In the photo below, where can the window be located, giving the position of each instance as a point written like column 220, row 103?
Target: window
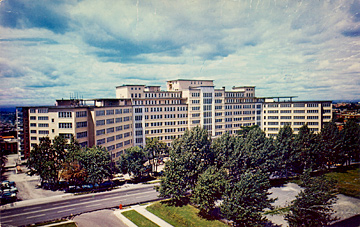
column 43, row 132
column 81, row 114
column 32, row 124
column 126, row 118
column 64, row 114
column 299, row 104
column 127, row 134
column 299, row 123
column 100, row 122
column 32, row 111
column 285, row 123
column 118, row 111
column 299, row 111
column 110, row 130
column 126, row 126
column 118, row 119
column 118, row 128
column 273, row 123
column 109, row 112
column 299, row 117
column 101, row 141
column 43, row 125
column 273, row 117
column 65, row 125
column 110, row 139
column 33, row 131
column 43, row 110
column 285, row 105
column 313, row 123
column 312, row 111
column 312, row 104
column 82, row 124
column 196, row 108
column 285, row 111
column 33, row 138
column 312, row 117
column 110, row 121
column 32, row 117
column 285, row 117
column 81, row 135
column 65, row 135
column 119, row 136
column 110, row 148
column 195, row 101
column 43, row 118
column 328, row 104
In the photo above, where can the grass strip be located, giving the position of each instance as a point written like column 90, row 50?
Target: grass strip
column 186, row 215
column 348, row 181
column 138, row 219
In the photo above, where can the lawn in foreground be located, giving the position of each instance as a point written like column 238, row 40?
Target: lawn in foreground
column 138, row 219
column 186, row 215
column 348, row 181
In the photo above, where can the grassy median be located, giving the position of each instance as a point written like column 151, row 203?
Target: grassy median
column 138, row 219
column 186, row 215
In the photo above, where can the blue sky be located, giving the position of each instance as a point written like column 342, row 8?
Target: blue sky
column 49, row 49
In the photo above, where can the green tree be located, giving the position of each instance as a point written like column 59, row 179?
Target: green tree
column 96, row 162
column 189, row 157
column 224, row 149
column 245, row 200
column 246, row 129
column 132, row 162
column 330, row 144
column 258, row 152
column 43, row 161
column 350, row 140
column 208, row 189
column 284, row 147
column 173, row 182
column 313, row 205
column 193, row 151
column 155, row 149
column 307, row 150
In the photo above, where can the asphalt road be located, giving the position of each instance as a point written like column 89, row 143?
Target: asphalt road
column 19, row 216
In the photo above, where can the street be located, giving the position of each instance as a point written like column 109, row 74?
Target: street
column 25, row 215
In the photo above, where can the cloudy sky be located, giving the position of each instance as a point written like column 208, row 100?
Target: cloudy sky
column 305, row 48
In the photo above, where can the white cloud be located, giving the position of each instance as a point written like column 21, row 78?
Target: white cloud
column 305, row 48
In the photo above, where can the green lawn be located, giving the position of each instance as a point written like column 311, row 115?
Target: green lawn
column 348, row 181
column 138, row 219
column 186, row 215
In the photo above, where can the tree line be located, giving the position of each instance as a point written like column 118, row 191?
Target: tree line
column 237, row 169
column 61, row 159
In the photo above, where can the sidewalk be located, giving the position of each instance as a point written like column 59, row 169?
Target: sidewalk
column 141, row 210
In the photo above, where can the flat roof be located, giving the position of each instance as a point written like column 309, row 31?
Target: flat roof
column 131, row 85
column 188, row 80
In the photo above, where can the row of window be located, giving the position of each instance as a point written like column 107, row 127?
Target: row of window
column 290, row 117
column 112, row 112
